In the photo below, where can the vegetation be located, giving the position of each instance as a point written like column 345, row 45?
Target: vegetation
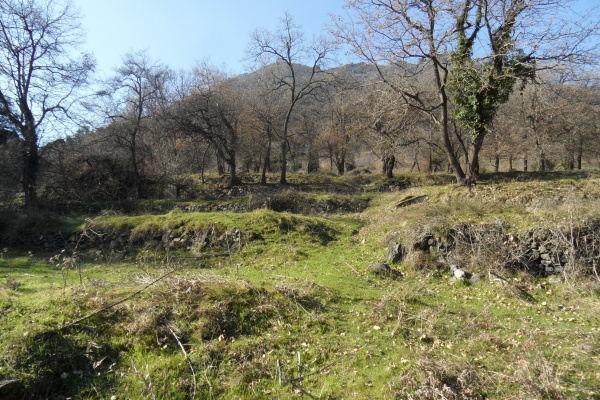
column 481, row 89
column 280, row 304
column 161, row 249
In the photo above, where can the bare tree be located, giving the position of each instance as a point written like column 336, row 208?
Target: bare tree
column 40, row 73
column 289, row 51
column 138, row 89
column 405, row 40
column 211, row 112
column 475, row 51
column 265, row 110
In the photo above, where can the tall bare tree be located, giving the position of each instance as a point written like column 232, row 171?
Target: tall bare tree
column 138, row 89
column 405, row 40
column 475, row 51
column 40, row 73
column 211, row 111
column 265, row 111
column 289, row 51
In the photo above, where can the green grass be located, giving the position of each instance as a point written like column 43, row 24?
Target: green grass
column 302, row 289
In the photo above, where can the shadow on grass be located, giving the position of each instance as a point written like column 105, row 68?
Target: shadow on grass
column 61, row 364
column 521, row 176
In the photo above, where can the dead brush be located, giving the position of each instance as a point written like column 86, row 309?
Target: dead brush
column 484, row 248
column 401, row 305
column 443, row 381
column 303, row 297
column 580, row 246
column 13, row 284
column 419, row 261
column 538, row 379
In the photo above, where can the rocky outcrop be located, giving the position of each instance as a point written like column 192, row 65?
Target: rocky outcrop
column 540, row 251
column 106, row 238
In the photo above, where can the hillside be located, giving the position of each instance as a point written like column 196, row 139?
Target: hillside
column 331, row 288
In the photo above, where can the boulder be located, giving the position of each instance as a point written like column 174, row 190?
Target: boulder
column 396, row 252
column 459, row 273
column 385, row 271
column 409, row 200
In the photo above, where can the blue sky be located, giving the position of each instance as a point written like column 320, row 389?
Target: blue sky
column 180, row 32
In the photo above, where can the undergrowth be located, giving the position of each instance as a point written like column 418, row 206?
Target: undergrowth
column 293, row 313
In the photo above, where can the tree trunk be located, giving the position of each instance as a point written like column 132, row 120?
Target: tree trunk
column 579, row 151
column 312, row 161
column 31, row 166
column 231, row 161
column 452, row 159
column 284, row 142
column 137, row 180
column 267, row 163
column 542, row 162
column 572, row 161
column 510, row 162
column 473, row 162
column 496, row 163
column 415, row 165
column 203, row 164
column 341, row 166
column 388, row 166
column 220, row 165
column 283, row 177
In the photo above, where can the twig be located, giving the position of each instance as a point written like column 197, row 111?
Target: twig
column 210, row 389
column 187, row 358
column 337, row 360
column 353, row 269
column 297, row 387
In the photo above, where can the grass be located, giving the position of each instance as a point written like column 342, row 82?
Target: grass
column 302, row 291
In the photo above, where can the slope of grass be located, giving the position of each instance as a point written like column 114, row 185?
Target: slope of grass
column 295, row 314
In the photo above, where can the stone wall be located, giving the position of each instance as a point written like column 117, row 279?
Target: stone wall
column 540, row 251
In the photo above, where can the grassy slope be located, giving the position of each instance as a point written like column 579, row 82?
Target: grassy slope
column 303, row 291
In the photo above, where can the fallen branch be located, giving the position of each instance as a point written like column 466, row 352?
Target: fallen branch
column 108, row 307
column 187, row 358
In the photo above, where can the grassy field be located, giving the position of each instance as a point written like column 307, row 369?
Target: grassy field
column 292, row 312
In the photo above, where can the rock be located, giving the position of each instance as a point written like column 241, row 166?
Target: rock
column 407, row 201
column 477, row 277
column 394, row 185
column 459, row 273
column 555, row 280
column 5, row 384
column 10, row 389
column 384, row 270
column 534, row 255
column 424, row 243
column 558, row 269
column 396, row 252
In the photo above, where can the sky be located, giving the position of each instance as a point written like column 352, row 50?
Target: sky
column 179, row 33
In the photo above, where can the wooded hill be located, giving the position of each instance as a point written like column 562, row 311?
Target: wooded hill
column 350, row 119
